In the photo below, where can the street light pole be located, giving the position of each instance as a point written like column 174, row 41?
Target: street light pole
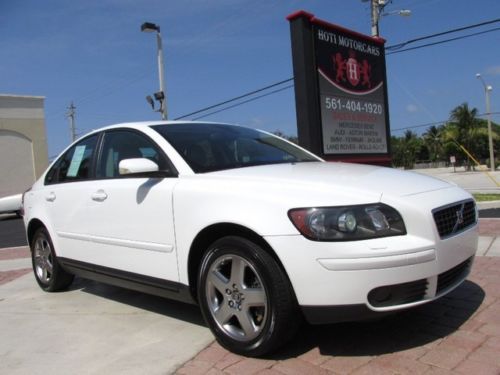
column 149, row 27
column 161, row 75
column 487, row 89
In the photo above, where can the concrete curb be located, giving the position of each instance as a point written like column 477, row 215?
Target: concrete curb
column 488, row 204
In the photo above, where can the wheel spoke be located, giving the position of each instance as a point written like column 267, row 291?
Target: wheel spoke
column 49, row 265
column 238, row 266
column 255, row 297
column 223, row 313
column 218, row 281
column 45, row 275
column 247, row 323
column 38, row 261
column 45, row 249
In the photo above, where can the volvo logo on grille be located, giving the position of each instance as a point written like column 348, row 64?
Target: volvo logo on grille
column 460, row 218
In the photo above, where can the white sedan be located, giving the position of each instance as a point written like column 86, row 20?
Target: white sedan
column 11, row 204
column 256, row 230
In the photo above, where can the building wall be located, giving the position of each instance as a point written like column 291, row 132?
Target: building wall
column 23, row 142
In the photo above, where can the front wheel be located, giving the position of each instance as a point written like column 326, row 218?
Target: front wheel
column 48, row 273
column 246, row 298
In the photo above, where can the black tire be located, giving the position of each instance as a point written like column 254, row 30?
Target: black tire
column 48, row 272
column 251, row 312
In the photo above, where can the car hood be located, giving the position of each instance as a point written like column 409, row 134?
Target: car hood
column 342, row 176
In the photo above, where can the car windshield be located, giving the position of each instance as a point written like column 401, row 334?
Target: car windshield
column 214, row 147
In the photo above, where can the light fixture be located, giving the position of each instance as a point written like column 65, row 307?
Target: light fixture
column 149, row 27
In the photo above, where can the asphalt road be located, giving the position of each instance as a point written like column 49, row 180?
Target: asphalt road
column 11, row 232
column 12, row 228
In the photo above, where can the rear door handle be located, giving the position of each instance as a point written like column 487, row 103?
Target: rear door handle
column 51, row 197
column 99, row 196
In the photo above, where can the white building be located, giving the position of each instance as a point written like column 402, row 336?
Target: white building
column 23, row 142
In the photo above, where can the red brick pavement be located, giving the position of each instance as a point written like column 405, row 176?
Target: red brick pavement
column 10, row 254
column 489, row 227
column 7, row 276
column 14, row 253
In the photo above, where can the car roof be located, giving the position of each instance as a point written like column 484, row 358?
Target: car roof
column 146, row 124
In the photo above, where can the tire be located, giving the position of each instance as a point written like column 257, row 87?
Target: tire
column 246, row 297
column 48, row 272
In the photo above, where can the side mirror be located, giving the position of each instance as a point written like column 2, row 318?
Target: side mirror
column 137, row 166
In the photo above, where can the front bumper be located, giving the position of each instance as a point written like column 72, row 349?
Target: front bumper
column 338, row 281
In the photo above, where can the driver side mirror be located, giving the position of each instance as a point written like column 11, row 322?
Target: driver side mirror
column 137, row 166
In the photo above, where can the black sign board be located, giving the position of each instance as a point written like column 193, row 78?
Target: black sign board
column 340, row 91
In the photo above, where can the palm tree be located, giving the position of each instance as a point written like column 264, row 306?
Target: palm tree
column 465, row 121
column 434, row 142
column 410, row 144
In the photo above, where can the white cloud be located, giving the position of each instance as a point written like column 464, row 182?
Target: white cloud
column 412, row 108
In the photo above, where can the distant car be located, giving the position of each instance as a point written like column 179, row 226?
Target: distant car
column 11, row 204
column 256, row 230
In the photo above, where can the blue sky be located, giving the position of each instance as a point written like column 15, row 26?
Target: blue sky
column 93, row 53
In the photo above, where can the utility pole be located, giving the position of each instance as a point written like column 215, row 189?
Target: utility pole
column 375, row 12
column 71, row 116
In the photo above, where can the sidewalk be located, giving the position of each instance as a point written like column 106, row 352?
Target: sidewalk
column 472, row 181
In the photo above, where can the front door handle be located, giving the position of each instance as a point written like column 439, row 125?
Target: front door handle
column 51, row 197
column 99, row 196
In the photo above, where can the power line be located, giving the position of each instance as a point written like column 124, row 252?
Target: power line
column 246, row 101
column 443, row 41
column 401, row 45
column 236, row 98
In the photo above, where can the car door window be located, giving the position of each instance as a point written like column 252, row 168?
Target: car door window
column 75, row 164
column 122, row 144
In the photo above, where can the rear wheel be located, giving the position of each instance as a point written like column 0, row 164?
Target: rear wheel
column 48, row 273
column 246, row 297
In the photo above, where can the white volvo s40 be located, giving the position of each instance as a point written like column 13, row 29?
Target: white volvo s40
column 256, row 230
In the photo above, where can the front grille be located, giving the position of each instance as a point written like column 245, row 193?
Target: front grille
column 398, row 294
column 455, row 218
column 451, row 277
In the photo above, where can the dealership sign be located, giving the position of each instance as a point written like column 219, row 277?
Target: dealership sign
column 341, row 91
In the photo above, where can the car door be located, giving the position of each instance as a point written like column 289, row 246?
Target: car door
column 131, row 217
column 67, row 187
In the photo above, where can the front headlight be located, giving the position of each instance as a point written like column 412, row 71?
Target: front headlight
column 348, row 223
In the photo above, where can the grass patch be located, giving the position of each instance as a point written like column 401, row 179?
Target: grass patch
column 486, row 197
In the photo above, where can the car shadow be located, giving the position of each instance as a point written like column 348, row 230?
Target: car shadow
column 158, row 305
column 394, row 333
